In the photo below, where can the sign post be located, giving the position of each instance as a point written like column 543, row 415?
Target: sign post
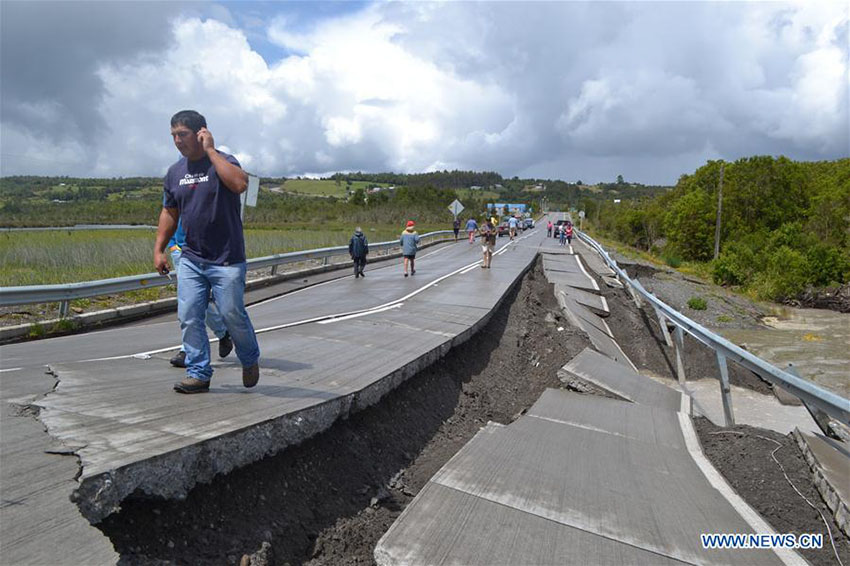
column 581, row 220
column 456, row 208
column 249, row 197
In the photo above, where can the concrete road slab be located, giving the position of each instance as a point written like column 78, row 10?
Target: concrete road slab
column 577, row 280
column 596, row 329
column 38, row 522
column 648, row 496
column 563, row 262
column 597, row 304
column 612, row 376
column 592, row 259
column 453, row 527
column 829, row 460
column 131, row 431
column 645, row 423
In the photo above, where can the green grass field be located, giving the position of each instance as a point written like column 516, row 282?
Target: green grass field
column 325, row 188
column 486, row 195
column 51, row 257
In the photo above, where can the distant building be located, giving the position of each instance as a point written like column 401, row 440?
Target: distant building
column 513, row 208
column 475, row 188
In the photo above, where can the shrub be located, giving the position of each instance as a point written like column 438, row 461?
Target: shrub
column 827, row 265
column 36, row 331
column 697, row 303
column 672, row 259
column 785, row 274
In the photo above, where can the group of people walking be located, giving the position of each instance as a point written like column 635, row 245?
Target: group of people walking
column 564, row 232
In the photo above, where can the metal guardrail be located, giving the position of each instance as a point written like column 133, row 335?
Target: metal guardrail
column 814, row 397
column 64, row 293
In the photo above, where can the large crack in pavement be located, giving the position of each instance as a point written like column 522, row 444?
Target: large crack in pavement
column 329, row 499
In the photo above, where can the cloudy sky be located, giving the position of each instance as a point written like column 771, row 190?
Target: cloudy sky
column 569, row 90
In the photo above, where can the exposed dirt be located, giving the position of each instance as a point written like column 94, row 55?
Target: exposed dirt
column 329, row 500
column 743, row 455
column 639, row 334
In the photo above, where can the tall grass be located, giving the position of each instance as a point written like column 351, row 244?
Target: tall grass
column 44, row 258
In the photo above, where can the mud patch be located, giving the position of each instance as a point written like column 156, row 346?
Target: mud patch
column 638, row 270
column 329, row 500
column 640, row 336
column 743, row 455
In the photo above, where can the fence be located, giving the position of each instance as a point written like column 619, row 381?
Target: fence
column 817, row 400
column 65, row 293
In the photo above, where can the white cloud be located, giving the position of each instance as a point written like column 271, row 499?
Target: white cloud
column 572, row 90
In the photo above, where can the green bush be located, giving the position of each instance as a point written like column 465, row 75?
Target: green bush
column 827, row 265
column 735, row 266
column 672, row 259
column 784, row 274
column 697, row 303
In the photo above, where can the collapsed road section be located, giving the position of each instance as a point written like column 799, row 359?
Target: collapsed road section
column 329, row 500
column 132, row 434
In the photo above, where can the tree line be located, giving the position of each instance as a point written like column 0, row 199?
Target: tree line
column 784, row 225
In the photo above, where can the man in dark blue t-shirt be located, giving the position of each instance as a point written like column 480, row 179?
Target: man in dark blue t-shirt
column 202, row 189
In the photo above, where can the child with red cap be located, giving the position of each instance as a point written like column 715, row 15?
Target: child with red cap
column 409, row 243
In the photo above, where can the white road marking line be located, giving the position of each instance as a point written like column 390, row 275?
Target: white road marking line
column 279, row 297
column 306, row 321
column 10, row 369
column 592, row 280
column 582, row 426
column 758, row 524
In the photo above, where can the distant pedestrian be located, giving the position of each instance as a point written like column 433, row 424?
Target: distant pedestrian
column 488, row 243
column 471, row 227
column 569, row 233
column 549, row 229
column 202, row 190
column 512, row 222
column 213, row 317
column 409, row 243
column 358, row 249
column 456, row 227
column 562, row 234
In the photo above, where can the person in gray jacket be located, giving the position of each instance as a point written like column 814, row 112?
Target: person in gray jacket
column 409, row 243
column 358, row 249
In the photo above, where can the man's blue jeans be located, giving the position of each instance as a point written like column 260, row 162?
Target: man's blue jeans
column 213, row 318
column 194, row 282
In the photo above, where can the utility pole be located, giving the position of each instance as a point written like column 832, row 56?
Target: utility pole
column 719, row 207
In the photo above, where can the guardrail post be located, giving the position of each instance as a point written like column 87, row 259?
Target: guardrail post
column 635, row 296
column 662, row 322
column 820, row 417
column 680, row 354
column 325, row 260
column 274, row 270
column 725, row 390
column 64, row 307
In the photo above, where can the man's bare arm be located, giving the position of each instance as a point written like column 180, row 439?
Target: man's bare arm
column 233, row 177
column 168, row 218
